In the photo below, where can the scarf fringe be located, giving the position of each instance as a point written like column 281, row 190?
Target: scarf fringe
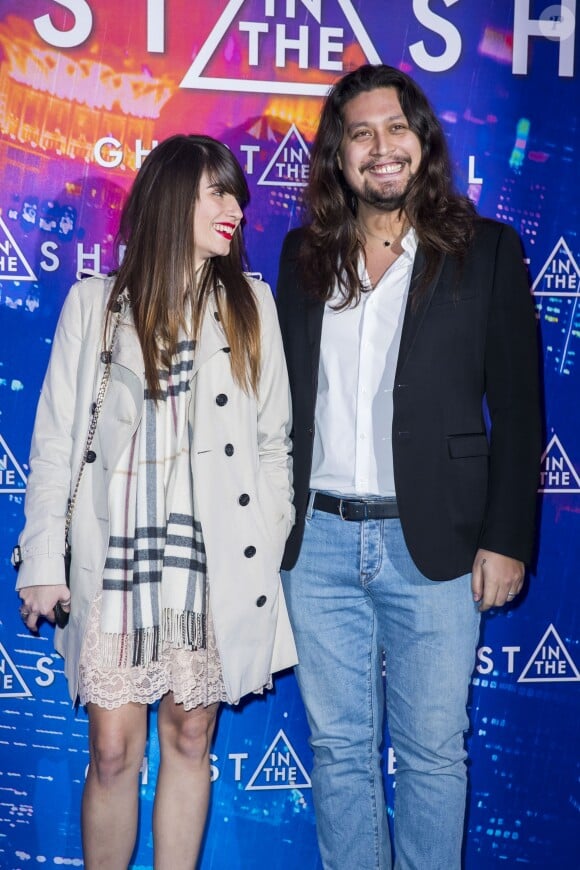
column 184, row 630
column 181, row 630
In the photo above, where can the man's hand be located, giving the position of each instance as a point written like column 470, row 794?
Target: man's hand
column 495, row 579
column 39, row 601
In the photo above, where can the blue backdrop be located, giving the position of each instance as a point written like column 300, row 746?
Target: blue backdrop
column 83, row 96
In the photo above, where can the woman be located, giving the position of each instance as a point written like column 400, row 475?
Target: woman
column 184, row 502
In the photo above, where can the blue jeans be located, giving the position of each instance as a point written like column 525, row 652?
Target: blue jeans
column 354, row 593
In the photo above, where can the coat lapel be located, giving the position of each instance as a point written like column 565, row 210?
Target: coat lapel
column 211, row 336
column 314, row 313
column 414, row 315
column 127, row 350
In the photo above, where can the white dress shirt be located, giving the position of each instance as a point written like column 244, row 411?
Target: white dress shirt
column 353, row 452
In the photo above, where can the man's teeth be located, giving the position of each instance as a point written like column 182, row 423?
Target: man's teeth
column 389, row 169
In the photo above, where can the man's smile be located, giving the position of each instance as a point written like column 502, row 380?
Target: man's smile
column 391, row 168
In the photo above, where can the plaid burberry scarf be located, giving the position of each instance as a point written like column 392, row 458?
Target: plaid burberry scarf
column 154, row 582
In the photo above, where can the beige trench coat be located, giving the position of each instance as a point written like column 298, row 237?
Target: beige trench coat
column 248, row 608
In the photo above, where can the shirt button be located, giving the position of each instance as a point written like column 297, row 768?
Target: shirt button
column 216, row 315
column 227, row 349
column 221, row 399
column 229, row 449
column 91, row 456
column 249, row 552
column 261, row 601
column 244, row 499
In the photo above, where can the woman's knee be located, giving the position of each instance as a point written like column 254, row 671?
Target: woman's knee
column 189, row 732
column 116, row 743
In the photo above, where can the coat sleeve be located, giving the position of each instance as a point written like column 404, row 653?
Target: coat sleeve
column 275, row 418
column 513, row 400
column 42, row 539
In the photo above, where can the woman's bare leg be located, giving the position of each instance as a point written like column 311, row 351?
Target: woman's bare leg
column 110, row 799
column 183, row 784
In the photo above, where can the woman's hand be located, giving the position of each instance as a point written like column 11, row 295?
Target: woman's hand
column 39, row 601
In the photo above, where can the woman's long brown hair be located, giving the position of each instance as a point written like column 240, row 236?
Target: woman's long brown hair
column 158, row 267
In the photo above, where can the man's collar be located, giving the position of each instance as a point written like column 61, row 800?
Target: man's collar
column 409, row 242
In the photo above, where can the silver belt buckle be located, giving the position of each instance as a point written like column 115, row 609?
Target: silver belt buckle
column 340, row 513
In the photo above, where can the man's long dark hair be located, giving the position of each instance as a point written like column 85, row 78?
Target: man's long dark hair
column 442, row 219
column 158, row 270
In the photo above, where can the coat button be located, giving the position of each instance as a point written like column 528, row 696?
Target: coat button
column 216, row 314
column 93, row 408
column 229, row 449
column 221, row 400
column 227, row 349
column 106, row 356
column 91, row 456
column 244, row 499
column 261, row 601
column 249, row 552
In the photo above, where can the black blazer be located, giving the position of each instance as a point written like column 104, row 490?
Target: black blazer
column 473, row 335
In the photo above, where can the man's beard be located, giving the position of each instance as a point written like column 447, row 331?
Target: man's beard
column 385, row 200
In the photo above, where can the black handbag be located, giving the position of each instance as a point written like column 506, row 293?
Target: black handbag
column 61, row 616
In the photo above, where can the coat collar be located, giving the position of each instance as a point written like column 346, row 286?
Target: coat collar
column 127, row 350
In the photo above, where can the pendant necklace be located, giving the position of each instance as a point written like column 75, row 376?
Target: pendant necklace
column 386, row 242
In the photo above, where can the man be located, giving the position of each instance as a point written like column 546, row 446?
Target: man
column 403, row 316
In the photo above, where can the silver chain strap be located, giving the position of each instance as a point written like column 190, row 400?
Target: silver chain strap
column 96, row 409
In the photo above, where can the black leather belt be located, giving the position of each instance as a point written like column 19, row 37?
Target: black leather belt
column 356, row 509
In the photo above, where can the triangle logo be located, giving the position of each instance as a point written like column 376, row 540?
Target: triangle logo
column 294, row 48
column 11, row 683
column 557, row 474
column 13, row 263
column 290, row 164
column 279, row 768
column 550, row 662
column 560, row 274
column 12, row 477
